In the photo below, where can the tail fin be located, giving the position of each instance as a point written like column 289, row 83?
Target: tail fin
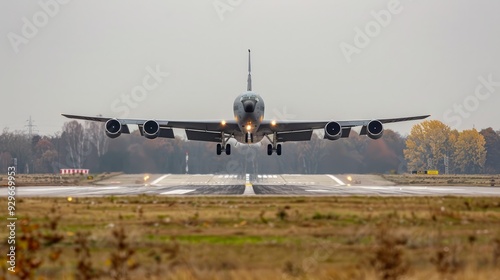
column 249, row 81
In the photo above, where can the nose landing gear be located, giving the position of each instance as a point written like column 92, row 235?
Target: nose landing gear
column 249, row 138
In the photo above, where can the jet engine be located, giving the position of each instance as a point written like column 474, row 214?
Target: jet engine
column 375, row 129
column 333, row 131
column 113, row 128
column 151, row 129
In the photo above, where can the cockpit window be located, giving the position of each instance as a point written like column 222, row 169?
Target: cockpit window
column 249, row 97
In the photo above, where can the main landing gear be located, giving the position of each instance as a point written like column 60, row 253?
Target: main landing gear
column 227, row 149
column 224, row 147
column 274, row 147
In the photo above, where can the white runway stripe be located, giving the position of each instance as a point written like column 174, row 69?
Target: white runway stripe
column 336, row 180
column 50, row 189
column 179, row 191
column 159, row 179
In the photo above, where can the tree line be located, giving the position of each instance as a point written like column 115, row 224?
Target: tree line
column 430, row 145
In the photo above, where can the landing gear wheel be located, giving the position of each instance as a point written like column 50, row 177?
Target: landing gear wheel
column 228, row 149
column 269, row 149
column 249, row 138
column 278, row 150
column 219, row 149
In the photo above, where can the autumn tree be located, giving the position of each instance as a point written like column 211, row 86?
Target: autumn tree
column 385, row 154
column 470, row 154
column 492, row 146
column 427, row 145
column 45, row 156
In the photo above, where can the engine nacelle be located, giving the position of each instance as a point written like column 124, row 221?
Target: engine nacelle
column 113, row 128
column 151, row 129
column 374, row 129
column 333, row 131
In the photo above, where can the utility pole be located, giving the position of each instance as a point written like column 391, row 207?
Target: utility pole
column 31, row 127
column 31, row 130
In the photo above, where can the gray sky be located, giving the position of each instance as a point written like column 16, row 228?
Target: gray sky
column 313, row 60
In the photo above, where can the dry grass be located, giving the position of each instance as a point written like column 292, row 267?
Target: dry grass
column 57, row 179
column 151, row 237
column 444, row 180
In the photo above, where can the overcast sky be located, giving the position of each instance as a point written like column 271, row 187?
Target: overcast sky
column 311, row 60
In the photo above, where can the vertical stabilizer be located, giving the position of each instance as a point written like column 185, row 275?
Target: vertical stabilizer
column 249, row 81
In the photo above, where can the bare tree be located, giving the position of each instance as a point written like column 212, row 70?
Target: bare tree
column 77, row 144
column 97, row 137
column 18, row 145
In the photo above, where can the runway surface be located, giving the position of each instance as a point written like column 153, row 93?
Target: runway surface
column 278, row 185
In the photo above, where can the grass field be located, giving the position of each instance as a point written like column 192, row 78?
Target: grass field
column 150, row 237
column 57, row 179
column 444, row 180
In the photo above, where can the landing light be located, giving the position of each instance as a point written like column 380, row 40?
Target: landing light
column 349, row 178
column 273, row 123
column 223, row 123
column 249, row 127
column 146, row 178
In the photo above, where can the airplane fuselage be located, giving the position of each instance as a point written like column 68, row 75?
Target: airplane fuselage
column 248, row 111
column 249, row 126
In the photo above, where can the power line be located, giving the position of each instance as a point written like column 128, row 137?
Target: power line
column 31, row 127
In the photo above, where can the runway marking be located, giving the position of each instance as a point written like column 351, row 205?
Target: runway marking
column 110, row 188
column 38, row 189
column 318, row 190
column 336, row 180
column 410, row 188
column 248, row 186
column 249, row 190
column 155, row 182
column 179, row 191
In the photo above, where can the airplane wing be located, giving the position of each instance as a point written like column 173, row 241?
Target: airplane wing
column 289, row 126
column 201, row 130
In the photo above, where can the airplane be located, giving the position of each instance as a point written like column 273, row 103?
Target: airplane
column 248, row 126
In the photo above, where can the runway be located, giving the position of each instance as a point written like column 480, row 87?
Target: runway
column 251, row 185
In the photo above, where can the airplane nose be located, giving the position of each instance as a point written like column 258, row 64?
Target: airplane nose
column 249, row 105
